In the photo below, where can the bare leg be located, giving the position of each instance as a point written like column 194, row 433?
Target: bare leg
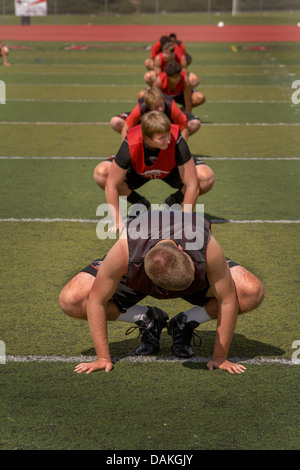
column 74, row 296
column 249, row 289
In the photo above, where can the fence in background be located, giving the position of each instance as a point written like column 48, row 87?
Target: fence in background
column 108, row 8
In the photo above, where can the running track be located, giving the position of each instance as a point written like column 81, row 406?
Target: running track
column 140, row 33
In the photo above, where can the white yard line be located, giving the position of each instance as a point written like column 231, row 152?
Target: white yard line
column 71, row 359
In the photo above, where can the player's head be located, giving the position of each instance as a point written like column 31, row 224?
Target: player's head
column 168, row 267
column 154, row 99
column 163, row 40
column 155, row 122
column 168, row 51
column 173, row 68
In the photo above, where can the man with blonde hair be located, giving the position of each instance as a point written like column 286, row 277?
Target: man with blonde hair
column 155, row 100
column 145, row 265
column 154, row 149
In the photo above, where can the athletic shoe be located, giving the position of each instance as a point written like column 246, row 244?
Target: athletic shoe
column 182, row 333
column 150, row 330
column 174, row 199
column 135, row 211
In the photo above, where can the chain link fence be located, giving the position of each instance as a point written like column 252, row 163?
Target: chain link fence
column 107, row 9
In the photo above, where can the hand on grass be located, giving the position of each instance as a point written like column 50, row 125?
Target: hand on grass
column 89, row 367
column 223, row 364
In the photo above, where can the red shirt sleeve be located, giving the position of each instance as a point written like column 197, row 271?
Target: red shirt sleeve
column 178, row 117
column 134, row 117
column 156, row 48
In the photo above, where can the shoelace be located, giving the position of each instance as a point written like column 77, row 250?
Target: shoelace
column 131, row 329
column 196, row 335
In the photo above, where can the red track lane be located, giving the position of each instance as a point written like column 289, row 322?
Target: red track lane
column 145, row 33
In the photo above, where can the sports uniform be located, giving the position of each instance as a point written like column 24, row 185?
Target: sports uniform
column 155, row 163
column 136, row 285
column 174, row 113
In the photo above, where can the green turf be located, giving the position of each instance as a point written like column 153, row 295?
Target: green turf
column 47, row 407
column 146, row 405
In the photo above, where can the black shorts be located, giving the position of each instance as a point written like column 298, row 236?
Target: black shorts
column 135, row 181
column 125, row 297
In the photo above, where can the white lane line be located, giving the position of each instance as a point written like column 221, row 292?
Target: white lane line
column 70, row 359
column 95, row 123
column 93, row 221
column 21, row 157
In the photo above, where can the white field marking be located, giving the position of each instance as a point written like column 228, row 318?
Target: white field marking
column 88, row 123
column 20, row 157
column 35, row 100
column 114, row 85
column 94, row 221
column 71, row 359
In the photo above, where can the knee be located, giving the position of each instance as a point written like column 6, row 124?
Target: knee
column 193, row 79
column 116, row 123
column 250, row 294
column 149, row 78
column 66, row 301
column 198, row 98
column 100, row 175
column 206, row 178
column 70, row 303
column 193, row 126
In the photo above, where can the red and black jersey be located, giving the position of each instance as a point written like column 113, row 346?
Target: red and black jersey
column 165, row 85
column 155, row 226
column 172, row 110
column 165, row 161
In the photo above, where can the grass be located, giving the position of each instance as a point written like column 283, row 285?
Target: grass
column 152, row 405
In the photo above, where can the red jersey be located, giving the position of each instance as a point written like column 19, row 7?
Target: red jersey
column 165, row 86
column 173, row 112
column 156, row 49
column 163, row 62
column 165, row 161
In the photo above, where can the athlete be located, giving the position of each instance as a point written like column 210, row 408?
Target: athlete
column 174, row 256
column 155, row 100
column 154, row 149
column 157, row 48
column 4, row 51
column 169, row 53
column 173, row 81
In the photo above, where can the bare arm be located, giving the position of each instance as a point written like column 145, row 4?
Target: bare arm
column 187, row 94
column 223, row 289
column 189, row 179
column 115, row 185
column 104, row 286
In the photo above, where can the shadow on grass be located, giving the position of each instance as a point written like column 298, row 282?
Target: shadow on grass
column 241, row 347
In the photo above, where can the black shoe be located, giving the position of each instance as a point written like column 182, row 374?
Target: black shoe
column 150, row 330
column 174, row 199
column 134, row 210
column 182, row 333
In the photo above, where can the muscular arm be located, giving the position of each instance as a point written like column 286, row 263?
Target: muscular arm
column 187, row 94
column 106, row 282
column 223, row 289
column 189, row 179
column 115, row 186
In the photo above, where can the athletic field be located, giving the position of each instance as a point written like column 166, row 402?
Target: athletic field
column 54, row 130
